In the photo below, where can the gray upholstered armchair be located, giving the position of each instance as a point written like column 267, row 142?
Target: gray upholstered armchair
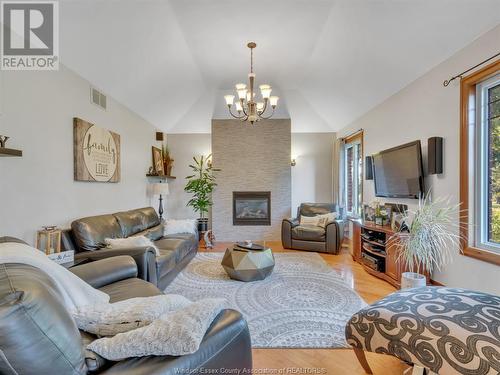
column 313, row 238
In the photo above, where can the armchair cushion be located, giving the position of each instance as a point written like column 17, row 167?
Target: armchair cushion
column 308, row 233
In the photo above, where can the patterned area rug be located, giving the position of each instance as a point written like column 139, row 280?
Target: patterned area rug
column 304, row 303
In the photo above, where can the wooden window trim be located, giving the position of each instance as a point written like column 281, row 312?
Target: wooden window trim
column 359, row 136
column 467, row 121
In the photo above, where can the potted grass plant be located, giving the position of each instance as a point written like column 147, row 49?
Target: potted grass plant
column 431, row 235
column 201, row 184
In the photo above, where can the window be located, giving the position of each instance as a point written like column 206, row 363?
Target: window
column 487, row 145
column 480, row 163
column 353, row 174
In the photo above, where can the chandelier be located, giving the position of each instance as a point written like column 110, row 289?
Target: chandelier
column 247, row 108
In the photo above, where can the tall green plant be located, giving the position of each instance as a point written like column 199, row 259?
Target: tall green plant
column 433, row 236
column 201, row 184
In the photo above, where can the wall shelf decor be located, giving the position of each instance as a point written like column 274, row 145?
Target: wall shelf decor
column 161, row 177
column 10, row 152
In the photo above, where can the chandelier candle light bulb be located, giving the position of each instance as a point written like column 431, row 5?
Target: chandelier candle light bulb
column 229, row 99
column 248, row 109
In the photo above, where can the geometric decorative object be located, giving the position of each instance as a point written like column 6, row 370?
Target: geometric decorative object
column 247, row 106
column 248, row 265
column 49, row 240
column 96, row 153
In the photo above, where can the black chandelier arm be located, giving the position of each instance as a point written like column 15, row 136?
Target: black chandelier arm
column 267, row 117
column 235, row 116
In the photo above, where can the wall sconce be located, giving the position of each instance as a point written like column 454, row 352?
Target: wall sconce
column 293, row 163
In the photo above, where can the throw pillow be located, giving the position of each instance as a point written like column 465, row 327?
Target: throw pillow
column 179, row 226
column 312, row 221
column 123, row 316
column 175, row 334
column 130, row 242
column 328, row 218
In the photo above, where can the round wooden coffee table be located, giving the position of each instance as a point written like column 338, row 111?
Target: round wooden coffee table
column 248, row 265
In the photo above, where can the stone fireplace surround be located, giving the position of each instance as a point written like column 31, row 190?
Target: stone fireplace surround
column 252, row 158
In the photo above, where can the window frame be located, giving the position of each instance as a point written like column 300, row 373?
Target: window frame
column 355, row 139
column 469, row 117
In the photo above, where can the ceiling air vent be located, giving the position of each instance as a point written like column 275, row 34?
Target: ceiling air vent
column 97, row 98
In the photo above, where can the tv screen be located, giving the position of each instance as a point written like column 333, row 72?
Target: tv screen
column 398, row 172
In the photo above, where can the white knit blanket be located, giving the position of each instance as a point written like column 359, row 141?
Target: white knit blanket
column 75, row 292
column 158, row 320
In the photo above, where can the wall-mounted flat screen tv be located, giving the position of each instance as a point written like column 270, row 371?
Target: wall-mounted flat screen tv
column 398, row 172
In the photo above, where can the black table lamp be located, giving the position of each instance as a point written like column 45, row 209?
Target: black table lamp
column 160, row 188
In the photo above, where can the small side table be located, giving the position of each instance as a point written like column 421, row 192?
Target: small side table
column 49, row 240
column 248, row 265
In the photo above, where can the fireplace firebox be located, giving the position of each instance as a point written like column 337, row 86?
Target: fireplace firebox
column 251, row 208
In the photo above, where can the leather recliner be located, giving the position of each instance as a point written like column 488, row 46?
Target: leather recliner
column 39, row 336
column 313, row 238
column 87, row 237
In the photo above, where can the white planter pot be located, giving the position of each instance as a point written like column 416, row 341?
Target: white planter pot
column 412, row 280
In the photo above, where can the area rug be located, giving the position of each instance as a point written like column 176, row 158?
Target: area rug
column 304, row 303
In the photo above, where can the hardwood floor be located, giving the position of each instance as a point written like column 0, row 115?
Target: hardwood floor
column 327, row 361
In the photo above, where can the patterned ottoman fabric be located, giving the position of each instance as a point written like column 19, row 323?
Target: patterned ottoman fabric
column 446, row 330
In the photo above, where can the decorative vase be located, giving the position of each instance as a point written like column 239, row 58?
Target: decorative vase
column 202, row 225
column 412, row 280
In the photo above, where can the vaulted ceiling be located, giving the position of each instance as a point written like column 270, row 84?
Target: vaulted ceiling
column 330, row 61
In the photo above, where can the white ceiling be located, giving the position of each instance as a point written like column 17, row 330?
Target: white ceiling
column 330, row 61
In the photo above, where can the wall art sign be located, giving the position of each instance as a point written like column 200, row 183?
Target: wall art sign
column 96, row 153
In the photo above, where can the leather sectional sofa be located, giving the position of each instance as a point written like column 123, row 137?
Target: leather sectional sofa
column 87, row 236
column 311, row 238
column 40, row 337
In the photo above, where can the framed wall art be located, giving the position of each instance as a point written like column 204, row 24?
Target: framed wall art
column 96, row 153
column 158, row 167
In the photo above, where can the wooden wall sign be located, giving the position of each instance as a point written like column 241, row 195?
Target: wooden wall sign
column 96, row 153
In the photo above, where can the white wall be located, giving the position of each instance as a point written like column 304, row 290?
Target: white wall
column 182, row 148
column 421, row 110
column 312, row 175
column 38, row 189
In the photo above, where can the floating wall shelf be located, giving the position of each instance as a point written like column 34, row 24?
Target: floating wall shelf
column 10, row 152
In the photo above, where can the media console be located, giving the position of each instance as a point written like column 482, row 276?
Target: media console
column 375, row 248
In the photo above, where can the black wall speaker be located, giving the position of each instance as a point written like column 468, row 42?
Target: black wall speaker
column 435, row 155
column 368, row 168
column 159, row 136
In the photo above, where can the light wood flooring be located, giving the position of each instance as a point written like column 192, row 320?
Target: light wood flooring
column 327, row 361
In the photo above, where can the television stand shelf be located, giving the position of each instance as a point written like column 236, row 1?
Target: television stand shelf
column 375, row 248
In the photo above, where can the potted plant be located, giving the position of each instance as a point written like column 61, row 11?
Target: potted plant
column 168, row 162
column 201, row 184
column 428, row 236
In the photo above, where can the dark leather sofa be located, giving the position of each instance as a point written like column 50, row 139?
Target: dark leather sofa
column 87, row 236
column 38, row 335
column 312, row 238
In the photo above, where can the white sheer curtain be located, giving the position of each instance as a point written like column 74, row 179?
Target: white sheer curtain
column 338, row 171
